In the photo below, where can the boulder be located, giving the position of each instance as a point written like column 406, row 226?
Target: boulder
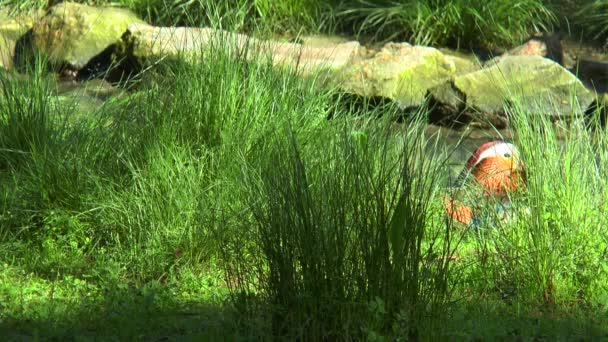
column 11, row 30
column 320, row 40
column 72, row 34
column 145, row 44
column 534, row 83
column 547, row 45
column 404, row 73
column 407, row 74
column 464, row 62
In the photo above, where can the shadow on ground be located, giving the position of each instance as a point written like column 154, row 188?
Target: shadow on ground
column 152, row 314
column 148, row 314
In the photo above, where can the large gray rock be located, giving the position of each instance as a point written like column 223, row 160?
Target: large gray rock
column 404, row 73
column 533, row 83
column 147, row 44
column 73, row 34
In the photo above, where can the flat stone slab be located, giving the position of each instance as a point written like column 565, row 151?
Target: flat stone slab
column 149, row 44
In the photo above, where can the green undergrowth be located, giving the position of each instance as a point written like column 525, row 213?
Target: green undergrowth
column 592, row 18
column 285, row 17
column 463, row 24
column 455, row 23
column 220, row 201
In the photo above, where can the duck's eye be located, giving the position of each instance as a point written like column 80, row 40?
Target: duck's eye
column 507, row 155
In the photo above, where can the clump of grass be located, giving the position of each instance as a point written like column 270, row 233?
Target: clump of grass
column 44, row 171
column 344, row 216
column 26, row 117
column 455, row 23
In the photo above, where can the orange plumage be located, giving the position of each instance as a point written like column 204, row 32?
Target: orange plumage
column 457, row 211
column 496, row 170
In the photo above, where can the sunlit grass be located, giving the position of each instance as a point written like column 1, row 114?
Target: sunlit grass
column 262, row 16
column 457, row 23
column 225, row 184
column 552, row 253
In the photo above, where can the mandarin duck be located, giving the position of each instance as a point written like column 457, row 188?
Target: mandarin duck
column 495, row 170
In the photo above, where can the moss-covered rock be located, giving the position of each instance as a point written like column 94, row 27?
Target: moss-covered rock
column 73, row 34
column 145, row 44
column 402, row 72
column 533, row 83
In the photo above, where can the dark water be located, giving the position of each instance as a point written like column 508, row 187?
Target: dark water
column 461, row 144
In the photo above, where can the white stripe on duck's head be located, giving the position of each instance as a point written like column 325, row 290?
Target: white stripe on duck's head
column 493, row 159
column 495, row 149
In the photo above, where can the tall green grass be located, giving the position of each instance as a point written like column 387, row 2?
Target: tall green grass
column 26, row 119
column 46, row 171
column 592, row 18
column 566, row 226
column 344, row 217
column 262, row 16
column 456, row 23
column 150, row 187
column 142, row 174
column 551, row 255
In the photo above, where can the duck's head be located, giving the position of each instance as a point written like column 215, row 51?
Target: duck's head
column 497, row 165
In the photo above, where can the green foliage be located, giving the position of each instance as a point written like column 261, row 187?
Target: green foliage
column 25, row 116
column 592, row 18
column 461, row 23
column 551, row 254
column 217, row 200
column 289, row 16
column 456, row 23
